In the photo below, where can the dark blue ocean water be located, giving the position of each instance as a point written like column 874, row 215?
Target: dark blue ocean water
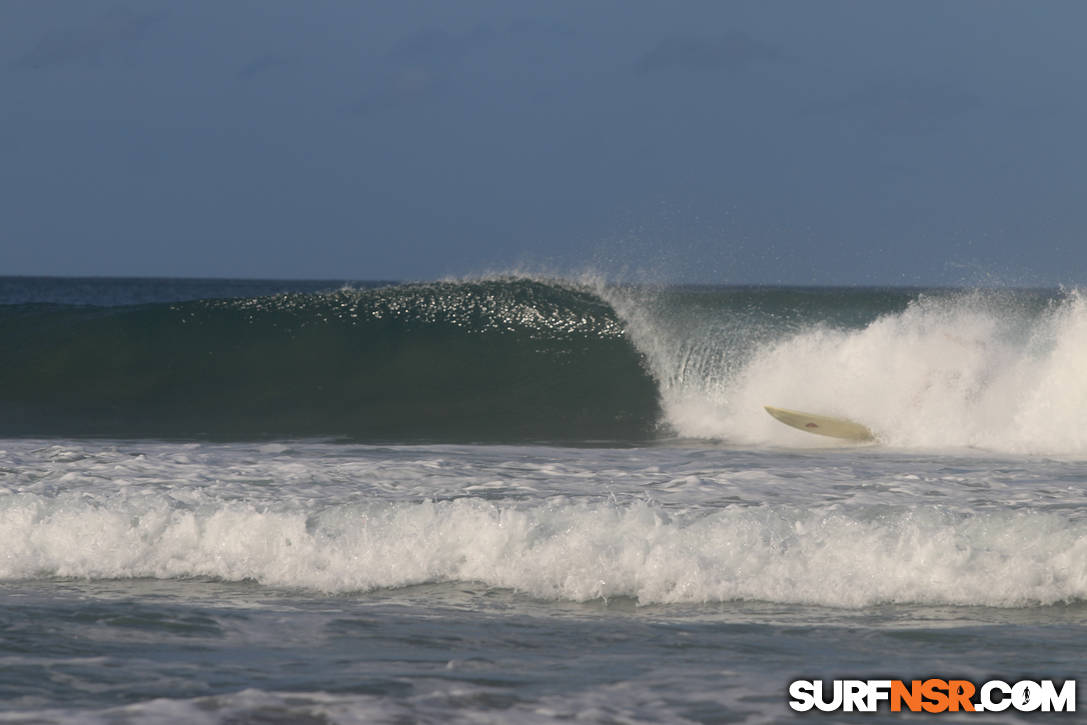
column 673, row 555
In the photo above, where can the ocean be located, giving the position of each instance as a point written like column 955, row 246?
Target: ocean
column 531, row 500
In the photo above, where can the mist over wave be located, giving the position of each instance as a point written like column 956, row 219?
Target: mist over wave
column 999, row 370
column 537, row 359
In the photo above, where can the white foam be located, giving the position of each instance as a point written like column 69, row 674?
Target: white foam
column 560, row 549
column 977, row 369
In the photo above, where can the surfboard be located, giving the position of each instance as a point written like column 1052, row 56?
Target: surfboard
column 823, row 425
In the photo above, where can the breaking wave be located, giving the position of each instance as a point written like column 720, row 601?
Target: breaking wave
column 506, row 359
column 561, row 550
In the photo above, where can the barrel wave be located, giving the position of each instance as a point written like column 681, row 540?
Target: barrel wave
column 492, row 360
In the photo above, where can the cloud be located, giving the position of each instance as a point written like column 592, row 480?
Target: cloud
column 401, row 88
column 116, row 30
column 436, row 48
column 731, row 51
column 540, row 27
column 902, row 106
column 419, row 64
column 263, row 64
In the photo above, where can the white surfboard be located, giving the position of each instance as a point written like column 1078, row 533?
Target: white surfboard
column 823, row 425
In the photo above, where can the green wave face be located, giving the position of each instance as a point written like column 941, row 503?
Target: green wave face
column 502, row 360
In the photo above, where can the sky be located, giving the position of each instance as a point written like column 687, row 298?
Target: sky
column 860, row 142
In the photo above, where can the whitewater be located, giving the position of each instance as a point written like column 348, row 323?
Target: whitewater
column 225, row 501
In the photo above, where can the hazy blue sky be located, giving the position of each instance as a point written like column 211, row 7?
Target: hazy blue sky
column 859, row 142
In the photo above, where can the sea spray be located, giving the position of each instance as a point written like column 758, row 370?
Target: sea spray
column 392, row 578
column 520, row 359
column 1002, row 370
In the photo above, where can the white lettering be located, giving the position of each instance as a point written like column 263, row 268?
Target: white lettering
column 854, row 695
column 836, row 700
column 878, row 690
column 987, row 702
column 1026, row 696
column 802, row 692
column 1063, row 701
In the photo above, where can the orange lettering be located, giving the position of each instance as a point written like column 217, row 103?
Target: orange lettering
column 934, row 690
column 959, row 694
column 911, row 696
